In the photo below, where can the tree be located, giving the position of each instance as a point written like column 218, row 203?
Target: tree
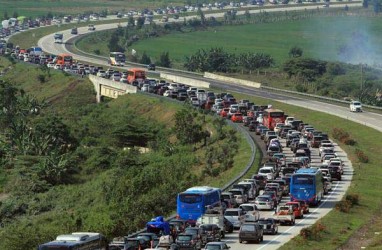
column 6, row 16
column 164, row 60
column 145, row 59
column 130, row 21
column 15, row 14
column 200, row 13
column 295, row 52
column 187, row 130
column 140, row 22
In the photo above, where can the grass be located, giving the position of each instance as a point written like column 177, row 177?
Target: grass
column 317, row 37
column 339, row 226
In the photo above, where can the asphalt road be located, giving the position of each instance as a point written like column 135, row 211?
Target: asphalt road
column 288, row 232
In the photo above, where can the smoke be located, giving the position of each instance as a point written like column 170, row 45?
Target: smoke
column 349, row 39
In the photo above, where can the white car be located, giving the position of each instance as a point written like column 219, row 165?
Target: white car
column 264, row 202
column 324, row 146
column 50, row 65
column 267, row 172
column 101, row 73
column 235, row 216
column 355, row 106
column 115, row 77
column 251, row 212
column 288, row 120
column 57, row 66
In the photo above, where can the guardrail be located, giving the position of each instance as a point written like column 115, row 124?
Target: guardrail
column 236, row 178
column 328, row 99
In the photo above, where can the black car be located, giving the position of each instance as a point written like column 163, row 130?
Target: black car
column 250, row 231
column 335, row 172
column 269, row 225
column 213, row 232
column 200, row 233
column 151, row 66
column 191, row 241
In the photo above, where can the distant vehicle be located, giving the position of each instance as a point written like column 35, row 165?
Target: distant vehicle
column 58, row 37
column 74, row 31
column 355, row 106
column 271, row 117
column 151, row 66
column 83, row 240
column 269, row 225
column 91, row 27
column 35, row 51
column 216, row 245
column 117, row 59
column 64, row 59
column 135, row 74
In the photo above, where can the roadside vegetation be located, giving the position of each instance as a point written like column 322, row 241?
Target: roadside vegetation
column 69, row 164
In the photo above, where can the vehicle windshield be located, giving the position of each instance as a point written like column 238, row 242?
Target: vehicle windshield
column 190, row 198
column 231, row 213
column 265, row 222
column 213, row 247
column 247, row 208
column 303, row 179
column 265, row 171
column 262, row 198
column 225, row 197
column 247, row 227
column 54, row 247
column 276, row 114
column 184, row 237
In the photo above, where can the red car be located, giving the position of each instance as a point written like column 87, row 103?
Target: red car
column 237, row 117
column 305, row 206
column 224, row 112
column 297, row 209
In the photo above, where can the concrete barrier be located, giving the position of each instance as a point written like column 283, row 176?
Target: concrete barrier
column 232, row 80
column 109, row 88
column 185, row 80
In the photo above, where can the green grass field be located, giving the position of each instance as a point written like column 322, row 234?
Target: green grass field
column 318, row 37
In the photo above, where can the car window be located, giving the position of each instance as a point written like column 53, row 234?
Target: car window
column 247, row 228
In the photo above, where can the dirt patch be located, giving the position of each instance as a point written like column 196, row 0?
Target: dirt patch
column 3, row 196
column 364, row 236
column 64, row 92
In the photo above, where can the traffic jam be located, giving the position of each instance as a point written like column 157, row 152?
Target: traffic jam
column 301, row 167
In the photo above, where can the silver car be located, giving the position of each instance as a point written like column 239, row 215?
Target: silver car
column 235, row 216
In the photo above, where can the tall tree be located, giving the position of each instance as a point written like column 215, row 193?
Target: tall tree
column 164, row 60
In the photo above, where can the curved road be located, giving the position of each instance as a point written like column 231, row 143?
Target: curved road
column 285, row 233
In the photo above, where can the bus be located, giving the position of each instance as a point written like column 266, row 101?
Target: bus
column 117, row 59
column 273, row 116
column 77, row 241
column 307, row 185
column 64, row 59
column 193, row 203
column 58, row 37
column 135, row 74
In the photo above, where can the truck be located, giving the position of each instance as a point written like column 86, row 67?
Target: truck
column 355, row 106
column 215, row 218
column 284, row 215
column 58, row 37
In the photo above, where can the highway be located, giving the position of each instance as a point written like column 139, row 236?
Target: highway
column 370, row 119
column 288, row 232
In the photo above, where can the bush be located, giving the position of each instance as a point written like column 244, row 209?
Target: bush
column 344, row 206
column 362, row 157
column 343, row 136
column 353, row 199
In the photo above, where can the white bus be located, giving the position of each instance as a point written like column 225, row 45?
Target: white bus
column 117, row 59
column 77, row 241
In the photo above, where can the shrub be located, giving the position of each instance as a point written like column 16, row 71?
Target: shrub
column 353, row 199
column 41, row 78
column 343, row 136
column 349, row 141
column 362, row 157
column 344, row 206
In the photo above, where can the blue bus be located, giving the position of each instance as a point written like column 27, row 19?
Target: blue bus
column 307, row 185
column 192, row 203
column 77, row 241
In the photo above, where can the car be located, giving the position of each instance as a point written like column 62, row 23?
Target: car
column 216, row 245
column 213, row 232
column 188, row 241
column 199, row 232
column 101, row 73
column 251, row 212
column 250, row 231
column 264, row 202
column 91, row 27
column 235, row 216
column 152, row 238
column 269, row 225
column 237, row 117
column 151, row 66
column 268, row 172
